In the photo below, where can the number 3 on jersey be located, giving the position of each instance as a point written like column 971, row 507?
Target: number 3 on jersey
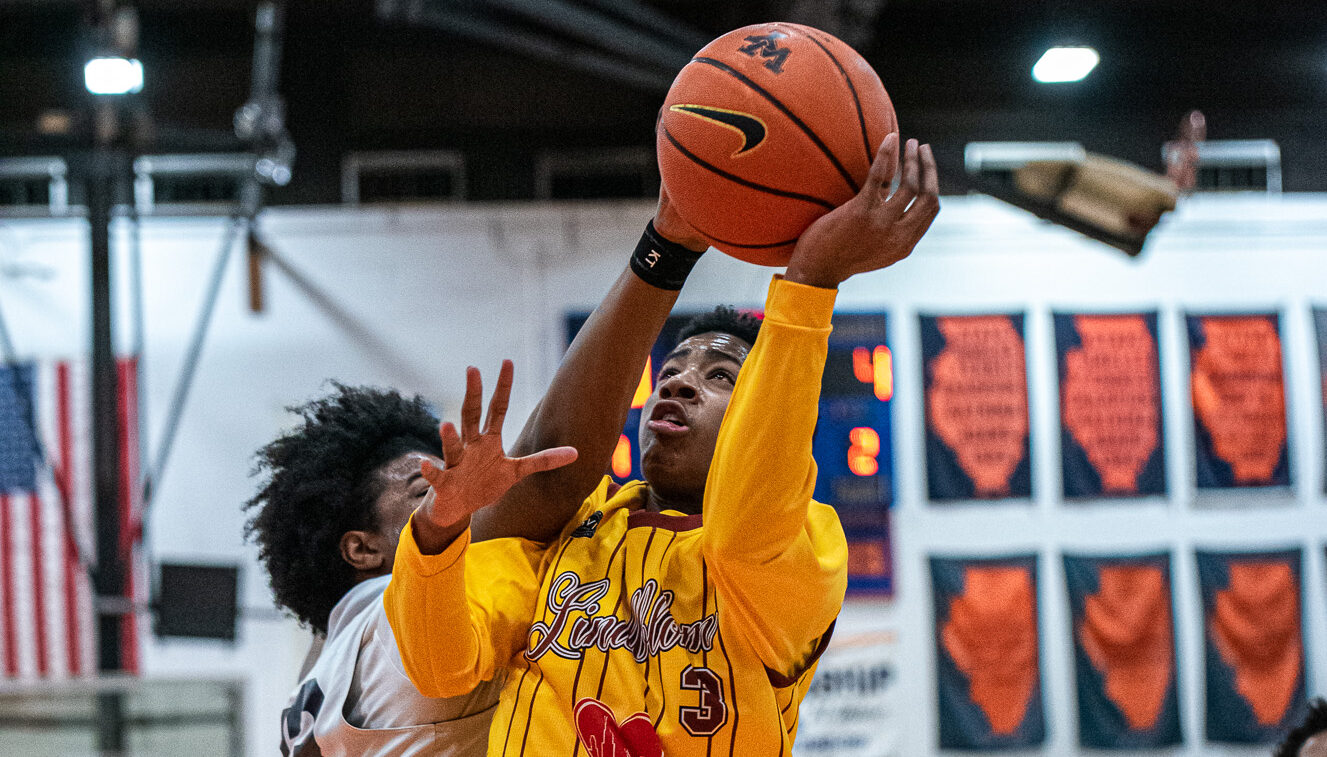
column 711, row 711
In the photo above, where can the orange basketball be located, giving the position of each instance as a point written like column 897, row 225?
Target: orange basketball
column 768, row 128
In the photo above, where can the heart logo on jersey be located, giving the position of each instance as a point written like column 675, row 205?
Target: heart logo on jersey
column 603, row 736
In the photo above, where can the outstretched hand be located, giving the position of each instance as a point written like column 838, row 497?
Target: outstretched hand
column 874, row 229
column 477, row 471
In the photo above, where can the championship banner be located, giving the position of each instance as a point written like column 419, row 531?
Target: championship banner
column 1252, row 622
column 1110, row 405
column 1239, row 405
column 976, row 407
column 987, row 652
column 1124, row 651
column 853, row 708
column 1320, row 328
column 853, row 443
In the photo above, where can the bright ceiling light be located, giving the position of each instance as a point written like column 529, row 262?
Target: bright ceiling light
column 1062, row 64
column 113, row 76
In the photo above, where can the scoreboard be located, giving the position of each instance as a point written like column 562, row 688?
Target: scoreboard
column 853, row 445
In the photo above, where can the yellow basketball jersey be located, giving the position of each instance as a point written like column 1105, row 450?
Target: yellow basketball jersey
column 637, row 633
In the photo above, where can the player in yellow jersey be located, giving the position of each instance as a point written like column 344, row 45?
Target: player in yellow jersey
column 339, row 488
column 681, row 615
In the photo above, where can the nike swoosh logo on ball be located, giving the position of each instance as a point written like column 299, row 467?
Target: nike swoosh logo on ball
column 751, row 128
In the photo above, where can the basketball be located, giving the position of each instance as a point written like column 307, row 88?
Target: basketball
column 766, row 129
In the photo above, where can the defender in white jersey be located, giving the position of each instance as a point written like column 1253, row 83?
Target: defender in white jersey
column 356, row 699
column 328, row 518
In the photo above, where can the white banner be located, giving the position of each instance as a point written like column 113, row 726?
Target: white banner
column 852, row 707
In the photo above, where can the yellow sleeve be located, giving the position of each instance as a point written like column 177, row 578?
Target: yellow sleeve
column 779, row 560
column 461, row 615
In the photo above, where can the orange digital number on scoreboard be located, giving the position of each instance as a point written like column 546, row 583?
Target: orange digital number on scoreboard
column 875, row 367
column 863, row 451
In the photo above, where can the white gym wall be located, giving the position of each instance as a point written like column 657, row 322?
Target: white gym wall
column 408, row 297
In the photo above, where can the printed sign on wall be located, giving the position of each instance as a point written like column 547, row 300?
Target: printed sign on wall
column 1110, row 405
column 853, row 707
column 976, row 407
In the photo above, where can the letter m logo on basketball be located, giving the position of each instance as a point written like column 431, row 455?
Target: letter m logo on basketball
column 767, row 46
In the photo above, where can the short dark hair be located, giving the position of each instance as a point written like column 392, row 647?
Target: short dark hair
column 1314, row 723
column 321, row 482
column 725, row 320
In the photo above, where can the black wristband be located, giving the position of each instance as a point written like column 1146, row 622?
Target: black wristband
column 661, row 263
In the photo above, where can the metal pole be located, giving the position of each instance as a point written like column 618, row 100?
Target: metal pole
column 114, row 28
column 109, row 573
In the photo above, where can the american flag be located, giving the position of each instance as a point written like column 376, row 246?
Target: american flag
column 47, row 623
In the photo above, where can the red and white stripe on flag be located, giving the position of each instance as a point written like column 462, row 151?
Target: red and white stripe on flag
column 130, row 507
column 47, row 621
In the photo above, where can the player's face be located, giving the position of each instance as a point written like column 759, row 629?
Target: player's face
column 680, row 422
column 403, row 488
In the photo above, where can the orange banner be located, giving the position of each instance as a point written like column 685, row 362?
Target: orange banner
column 988, row 655
column 1110, row 405
column 1239, row 405
column 1124, row 650
column 976, row 407
column 1252, row 612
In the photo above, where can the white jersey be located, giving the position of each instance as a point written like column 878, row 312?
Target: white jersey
column 357, row 701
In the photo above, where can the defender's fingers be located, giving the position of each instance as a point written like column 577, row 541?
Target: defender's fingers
column 881, row 175
column 497, row 404
column 548, row 459
column 470, row 406
column 431, row 473
column 453, row 449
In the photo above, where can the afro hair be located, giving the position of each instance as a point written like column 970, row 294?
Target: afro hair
column 725, row 320
column 1314, row 723
column 321, row 482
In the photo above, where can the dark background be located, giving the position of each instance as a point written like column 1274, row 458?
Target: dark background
column 503, row 80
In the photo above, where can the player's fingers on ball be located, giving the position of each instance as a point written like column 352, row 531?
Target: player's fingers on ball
column 470, row 406
column 882, row 169
column 497, row 404
column 924, row 209
column 930, row 174
column 919, row 218
column 910, row 183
